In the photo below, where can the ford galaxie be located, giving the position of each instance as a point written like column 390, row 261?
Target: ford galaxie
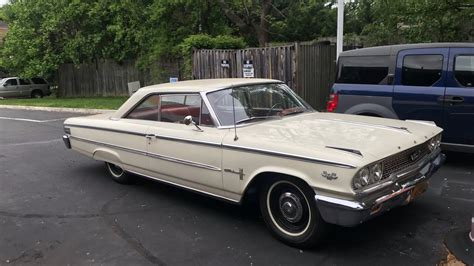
column 229, row 138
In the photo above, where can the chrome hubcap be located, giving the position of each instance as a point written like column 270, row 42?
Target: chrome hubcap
column 290, row 207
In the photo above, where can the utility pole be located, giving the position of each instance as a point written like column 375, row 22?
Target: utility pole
column 340, row 27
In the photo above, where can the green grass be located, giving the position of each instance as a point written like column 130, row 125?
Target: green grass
column 90, row 103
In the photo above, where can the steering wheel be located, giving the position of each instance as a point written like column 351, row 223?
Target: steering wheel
column 273, row 106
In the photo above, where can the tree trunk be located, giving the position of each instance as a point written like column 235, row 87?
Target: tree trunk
column 257, row 25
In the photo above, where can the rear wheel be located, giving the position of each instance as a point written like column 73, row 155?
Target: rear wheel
column 118, row 174
column 290, row 212
column 36, row 94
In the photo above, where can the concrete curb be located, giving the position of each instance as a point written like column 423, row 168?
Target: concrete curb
column 57, row 109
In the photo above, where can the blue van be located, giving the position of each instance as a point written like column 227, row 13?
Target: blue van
column 433, row 82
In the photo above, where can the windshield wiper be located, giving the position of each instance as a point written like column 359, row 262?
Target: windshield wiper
column 255, row 118
column 293, row 111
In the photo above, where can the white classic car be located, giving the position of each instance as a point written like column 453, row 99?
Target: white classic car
column 229, row 138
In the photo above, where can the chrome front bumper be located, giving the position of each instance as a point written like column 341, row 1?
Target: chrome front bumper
column 394, row 192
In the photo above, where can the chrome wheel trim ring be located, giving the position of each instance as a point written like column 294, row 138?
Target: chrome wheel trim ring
column 272, row 215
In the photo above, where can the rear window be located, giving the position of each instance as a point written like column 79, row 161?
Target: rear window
column 363, row 70
column 421, row 70
column 38, row 81
column 464, row 70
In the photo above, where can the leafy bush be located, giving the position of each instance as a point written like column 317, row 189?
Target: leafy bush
column 205, row 41
column 229, row 42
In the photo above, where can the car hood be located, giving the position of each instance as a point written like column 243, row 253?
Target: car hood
column 356, row 140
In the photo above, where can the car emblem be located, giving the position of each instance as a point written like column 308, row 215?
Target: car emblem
column 329, row 176
column 415, row 155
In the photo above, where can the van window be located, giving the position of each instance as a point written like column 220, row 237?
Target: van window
column 24, row 82
column 363, row 70
column 38, row 81
column 421, row 70
column 464, row 70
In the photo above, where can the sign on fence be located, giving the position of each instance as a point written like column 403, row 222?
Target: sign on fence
column 248, row 71
column 225, row 63
column 307, row 68
column 133, row 87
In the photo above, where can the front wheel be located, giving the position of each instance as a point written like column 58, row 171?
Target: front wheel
column 118, row 174
column 290, row 212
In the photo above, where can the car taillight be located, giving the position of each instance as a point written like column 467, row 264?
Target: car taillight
column 332, row 102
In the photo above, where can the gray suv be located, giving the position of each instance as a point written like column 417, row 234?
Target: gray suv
column 18, row 87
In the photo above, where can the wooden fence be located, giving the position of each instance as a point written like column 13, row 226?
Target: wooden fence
column 307, row 68
column 109, row 78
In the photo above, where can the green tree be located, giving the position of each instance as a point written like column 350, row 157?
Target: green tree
column 410, row 21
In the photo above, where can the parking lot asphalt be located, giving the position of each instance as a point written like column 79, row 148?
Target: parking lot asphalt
column 58, row 207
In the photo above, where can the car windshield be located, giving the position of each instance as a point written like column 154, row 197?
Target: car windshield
column 255, row 103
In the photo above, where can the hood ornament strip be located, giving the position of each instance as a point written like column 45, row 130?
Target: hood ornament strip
column 356, row 152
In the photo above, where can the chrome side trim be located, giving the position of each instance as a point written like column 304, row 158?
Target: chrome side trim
column 289, row 156
column 355, row 152
column 110, row 145
column 346, row 203
column 199, row 142
column 107, row 129
column 186, row 187
column 149, row 154
column 190, row 163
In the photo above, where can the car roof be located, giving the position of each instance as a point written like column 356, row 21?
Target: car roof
column 394, row 49
column 204, row 85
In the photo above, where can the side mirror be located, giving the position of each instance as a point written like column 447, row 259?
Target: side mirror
column 390, row 79
column 5, row 84
column 188, row 120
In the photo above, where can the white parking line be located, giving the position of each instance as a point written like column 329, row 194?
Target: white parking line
column 31, row 120
column 32, row 143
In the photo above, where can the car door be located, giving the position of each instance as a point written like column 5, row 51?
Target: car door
column 24, row 87
column 459, row 97
column 183, row 154
column 10, row 88
column 420, row 83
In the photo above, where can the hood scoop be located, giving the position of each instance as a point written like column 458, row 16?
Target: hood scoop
column 355, row 152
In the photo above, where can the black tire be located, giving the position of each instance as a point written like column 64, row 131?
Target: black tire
column 118, row 174
column 36, row 94
column 290, row 212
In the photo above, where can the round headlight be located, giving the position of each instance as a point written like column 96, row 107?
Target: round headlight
column 438, row 140
column 432, row 144
column 377, row 172
column 357, row 183
column 364, row 176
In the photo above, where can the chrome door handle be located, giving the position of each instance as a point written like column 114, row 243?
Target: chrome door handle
column 451, row 99
column 150, row 136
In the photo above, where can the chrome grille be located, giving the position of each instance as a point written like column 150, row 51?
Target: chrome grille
column 402, row 160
